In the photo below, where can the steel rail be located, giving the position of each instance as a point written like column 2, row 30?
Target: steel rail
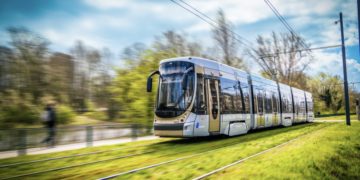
column 77, row 165
column 185, row 157
column 252, row 156
column 64, row 157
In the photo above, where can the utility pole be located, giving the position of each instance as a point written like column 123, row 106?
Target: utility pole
column 346, row 91
column 358, row 9
column 358, row 108
column 358, row 100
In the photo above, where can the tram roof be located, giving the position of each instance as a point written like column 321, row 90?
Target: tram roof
column 208, row 63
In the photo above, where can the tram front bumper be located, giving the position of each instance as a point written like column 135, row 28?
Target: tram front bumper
column 169, row 130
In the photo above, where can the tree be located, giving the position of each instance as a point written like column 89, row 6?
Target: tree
column 60, row 75
column 327, row 92
column 131, row 55
column 6, row 66
column 287, row 68
column 177, row 44
column 93, row 59
column 226, row 42
column 80, row 91
column 29, row 72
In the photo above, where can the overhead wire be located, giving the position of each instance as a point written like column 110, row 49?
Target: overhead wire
column 188, row 7
column 211, row 21
column 283, row 21
column 300, row 50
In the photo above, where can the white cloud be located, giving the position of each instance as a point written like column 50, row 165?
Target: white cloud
column 332, row 63
column 107, row 4
column 67, row 38
column 199, row 27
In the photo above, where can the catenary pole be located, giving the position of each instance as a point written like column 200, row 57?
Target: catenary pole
column 358, row 100
column 358, row 11
column 346, row 91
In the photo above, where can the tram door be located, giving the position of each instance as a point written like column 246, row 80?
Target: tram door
column 212, row 96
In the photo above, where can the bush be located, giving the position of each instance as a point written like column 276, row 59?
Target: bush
column 97, row 115
column 17, row 109
column 65, row 114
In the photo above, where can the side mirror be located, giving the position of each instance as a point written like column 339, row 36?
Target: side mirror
column 149, row 84
column 149, row 81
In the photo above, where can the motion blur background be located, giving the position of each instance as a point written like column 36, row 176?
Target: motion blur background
column 92, row 57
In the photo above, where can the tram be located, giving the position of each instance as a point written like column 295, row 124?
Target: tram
column 201, row 97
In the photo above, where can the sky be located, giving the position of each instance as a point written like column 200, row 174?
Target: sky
column 117, row 24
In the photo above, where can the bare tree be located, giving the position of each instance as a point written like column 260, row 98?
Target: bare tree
column 80, row 75
column 279, row 58
column 177, row 44
column 226, row 42
column 131, row 55
column 93, row 58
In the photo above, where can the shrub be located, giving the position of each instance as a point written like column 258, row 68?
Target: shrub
column 18, row 109
column 97, row 115
column 65, row 114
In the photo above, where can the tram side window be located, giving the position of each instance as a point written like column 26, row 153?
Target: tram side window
column 238, row 98
column 283, row 104
column 302, row 106
column 190, row 88
column 286, row 105
column 200, row 96
column 310, row 106
column 290, row 104
column 227, row 96
column 267, row 99
column 274, row 102
column 296, row 105
column 260, row 101
column 245, row 91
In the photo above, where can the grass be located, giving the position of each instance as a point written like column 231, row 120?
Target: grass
column 323, row 150
column 78, row 120
column 165, row 149
column 332, row 153
column 99, row 115
column 336, row 117
column 84, row 120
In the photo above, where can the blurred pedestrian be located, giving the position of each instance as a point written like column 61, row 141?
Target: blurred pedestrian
column 49, row 119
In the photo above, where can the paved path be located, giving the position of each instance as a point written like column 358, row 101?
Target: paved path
column 44, row 150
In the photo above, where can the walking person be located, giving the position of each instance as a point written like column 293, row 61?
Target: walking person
column 49, row 118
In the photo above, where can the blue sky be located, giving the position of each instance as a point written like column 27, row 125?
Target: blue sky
column 119, row 23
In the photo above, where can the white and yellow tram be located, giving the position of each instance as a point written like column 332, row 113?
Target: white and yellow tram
column 201, row 97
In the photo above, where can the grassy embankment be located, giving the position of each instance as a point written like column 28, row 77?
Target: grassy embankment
column 323, row 150
column 332, row 153
column 79, row 120
column 336, row 117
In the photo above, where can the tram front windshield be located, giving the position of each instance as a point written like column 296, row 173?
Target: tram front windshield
column 176, row 88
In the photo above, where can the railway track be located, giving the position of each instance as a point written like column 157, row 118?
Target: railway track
column 204, row 152
column 242, row 160
column 73, row 166
column 213, row 148
column 105, row 160
column 65, row 157
column 252, row 156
